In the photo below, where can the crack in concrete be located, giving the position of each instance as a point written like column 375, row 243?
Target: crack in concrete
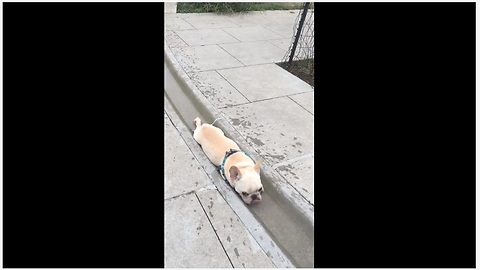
column 215, row 231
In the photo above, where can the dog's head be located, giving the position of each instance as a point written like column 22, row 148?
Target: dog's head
column 246, row 181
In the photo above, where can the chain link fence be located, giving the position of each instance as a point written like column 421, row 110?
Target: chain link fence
column 299, row 58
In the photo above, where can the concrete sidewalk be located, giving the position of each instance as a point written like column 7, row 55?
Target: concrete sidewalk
column 201, row 230
column 231, row 59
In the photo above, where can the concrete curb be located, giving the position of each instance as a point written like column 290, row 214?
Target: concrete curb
column 288, row 197
column 261, row 236
column 299, row 203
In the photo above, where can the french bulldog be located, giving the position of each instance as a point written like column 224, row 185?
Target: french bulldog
column 240, row 170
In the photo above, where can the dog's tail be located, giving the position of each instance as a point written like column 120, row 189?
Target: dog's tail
column 197, row 122
column 216, row 120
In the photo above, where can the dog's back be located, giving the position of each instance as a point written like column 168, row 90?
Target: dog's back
column 213, row 141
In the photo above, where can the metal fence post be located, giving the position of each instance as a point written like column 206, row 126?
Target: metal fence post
column 299, row 31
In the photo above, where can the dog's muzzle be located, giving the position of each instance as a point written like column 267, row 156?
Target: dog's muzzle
column 255, row 199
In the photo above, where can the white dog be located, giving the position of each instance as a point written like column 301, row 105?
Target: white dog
column 236, row 166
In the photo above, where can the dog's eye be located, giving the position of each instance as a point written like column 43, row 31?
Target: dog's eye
column 260, row 189
column 244, row 193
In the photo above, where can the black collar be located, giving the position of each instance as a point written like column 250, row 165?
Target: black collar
column 221, row 168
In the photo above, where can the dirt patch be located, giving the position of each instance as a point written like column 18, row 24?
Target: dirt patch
column 303, row 69
column 230, row 7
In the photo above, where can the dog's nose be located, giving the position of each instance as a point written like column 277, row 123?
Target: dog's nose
column 254, row 197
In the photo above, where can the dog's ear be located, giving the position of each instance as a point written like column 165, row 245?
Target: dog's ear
column 257, row 164
column 234, row 174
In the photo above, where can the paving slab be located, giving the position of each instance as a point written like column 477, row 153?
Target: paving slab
column 170, row 7
column 285, row 30
column 190, row 241
column 252, row 33
column 279, row 129
column 216, row 89
column 282, row 16
column 203, row 58
column 205, row 37
column 277, row 13
column 264, row 81
column 213, row 21
column 305, row 100
column 254, row 53
column 250, row 19
column 182, row 171
column 205, row 16
column 176, row 15
column 299, row 174
column 283, row 43
column 173, row 40
column 241, row 247
column 175, row 23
